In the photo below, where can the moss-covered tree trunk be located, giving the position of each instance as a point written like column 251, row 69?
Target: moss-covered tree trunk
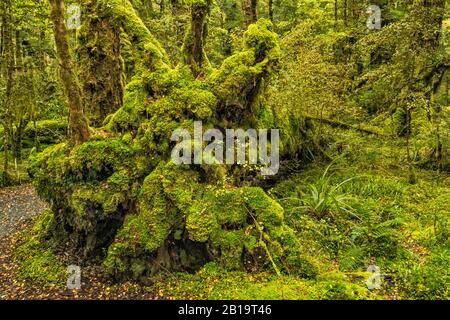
column 8, row 65
column 431, row 14
column 101, row 67
column 270, row 10
column 78, row 125
column 250, row 8
column 194, row 53
column 123, row 195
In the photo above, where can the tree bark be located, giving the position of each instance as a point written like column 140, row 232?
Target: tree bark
column 78, row 125
column 194, row 52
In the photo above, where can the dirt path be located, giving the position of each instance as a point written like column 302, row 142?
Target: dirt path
column 17, row 205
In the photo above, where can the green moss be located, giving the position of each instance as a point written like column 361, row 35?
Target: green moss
column 47, row 131
column 40, row 265
column 338, row 290
column 228, row 221
column 101, row 67
column 128, row 116
column 36, row 260
column 122, row 12
column 426, row 281
column 89, row 185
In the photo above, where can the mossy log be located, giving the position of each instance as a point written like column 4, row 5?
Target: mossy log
column 343, row 125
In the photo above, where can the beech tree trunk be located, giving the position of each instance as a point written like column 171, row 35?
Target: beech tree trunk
column 101, row 69
column 8, row 55
column 78, row 125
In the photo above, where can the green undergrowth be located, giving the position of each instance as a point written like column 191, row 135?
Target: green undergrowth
column 214, row 283
column 17, row 173
column 364, row 208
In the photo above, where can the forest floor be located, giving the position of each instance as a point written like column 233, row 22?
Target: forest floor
column 18, row 208
column 18, row 205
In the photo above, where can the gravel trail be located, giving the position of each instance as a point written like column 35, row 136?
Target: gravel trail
column 17, row 205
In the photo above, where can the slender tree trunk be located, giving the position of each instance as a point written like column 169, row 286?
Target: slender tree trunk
column 8, row 68
column 194, row 52
column 271, row 10
column 78, row 126
column 21, row 111
column 345, row 12
column 250, row 8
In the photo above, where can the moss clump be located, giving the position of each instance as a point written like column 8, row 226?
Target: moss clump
column 47, row 132
column 150, row 51
column 90, row 187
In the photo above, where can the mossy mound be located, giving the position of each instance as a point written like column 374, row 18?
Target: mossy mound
column 184, row 222
column 44, row 132
column 119, row 197
column 36, row 259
